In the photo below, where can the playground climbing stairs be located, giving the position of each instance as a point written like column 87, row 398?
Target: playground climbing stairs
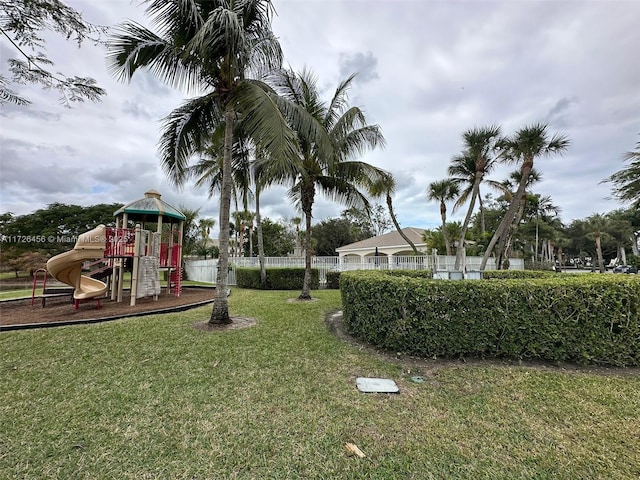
column 175, row 281
column 99, row 269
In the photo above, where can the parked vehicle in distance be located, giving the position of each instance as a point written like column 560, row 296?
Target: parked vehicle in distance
column 625, row 269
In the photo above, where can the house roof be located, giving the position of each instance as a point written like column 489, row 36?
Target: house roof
column 388, row 240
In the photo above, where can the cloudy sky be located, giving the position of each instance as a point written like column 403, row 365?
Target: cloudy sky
column 427, row 71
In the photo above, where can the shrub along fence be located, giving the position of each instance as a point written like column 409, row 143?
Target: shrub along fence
column 207, row 270
column 284, row 278
column 583, row 319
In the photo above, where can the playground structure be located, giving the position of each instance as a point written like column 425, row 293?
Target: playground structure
column 106, row 253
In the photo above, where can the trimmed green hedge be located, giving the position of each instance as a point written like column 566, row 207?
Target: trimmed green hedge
column 410, row 273
column 333, row 277
column 517, row 274
column 582, row 319
column 278, row 278
column 333, row 280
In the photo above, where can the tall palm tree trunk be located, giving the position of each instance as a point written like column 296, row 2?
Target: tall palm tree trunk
column 263, row 271
column 599, row 253
column 483, row 223
column 241, row 252
column 463, row 231
column 445, row 233
column 507, row 220
column 506, row 245
column 397, row 225
column 559, row 258
column 220, row 313
column 308, row 193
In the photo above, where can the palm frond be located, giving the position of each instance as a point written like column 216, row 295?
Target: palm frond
column 626, row 182
column 463, row 197
column 294, row 195
column 265, row 56
column 178, row 15
column 443, row 190
column 532, row 141
column 221, row 36
column 463, row 167
column 344, row 192
column 311, row 100
column 338, row 102
column 185, row 131
column 357, row 142
column 264, row 122
column 133, row 47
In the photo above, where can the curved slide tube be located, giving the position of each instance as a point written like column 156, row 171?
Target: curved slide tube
column 67, row 267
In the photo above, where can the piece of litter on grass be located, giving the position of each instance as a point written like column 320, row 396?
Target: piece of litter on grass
column 353, row 450
column 376, row 385
column 417, row 379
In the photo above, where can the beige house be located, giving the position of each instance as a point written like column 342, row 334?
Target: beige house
column 384, row 245
column 392, row 251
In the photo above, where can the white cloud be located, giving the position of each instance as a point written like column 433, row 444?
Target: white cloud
column 428, row 71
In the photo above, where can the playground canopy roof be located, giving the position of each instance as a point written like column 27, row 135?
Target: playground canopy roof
column 148, row 208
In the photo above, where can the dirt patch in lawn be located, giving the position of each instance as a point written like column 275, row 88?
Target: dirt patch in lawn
column 60, row 309
column 236, row 324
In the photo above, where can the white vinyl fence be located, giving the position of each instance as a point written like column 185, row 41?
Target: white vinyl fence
column 207, row 270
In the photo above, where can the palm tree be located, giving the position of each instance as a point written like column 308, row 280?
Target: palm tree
column 263, row 270
column 524, row 146
column 243, row 219
column 239, row 233
column 208, row 171
column 296, row 222
column 443, row 191
column 477, row 160
column 221, row 48
column 325, row 158
column 385, row 187
column 435, row 238
column 249, row 219
column 621, row 230
column 542, row 208
column 596, row 225
column 245, row 172
column 189, row 229
column 626, row 182
column 510, row 185
column 205, row 225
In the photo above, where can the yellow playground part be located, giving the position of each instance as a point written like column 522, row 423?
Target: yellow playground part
column 67, row 267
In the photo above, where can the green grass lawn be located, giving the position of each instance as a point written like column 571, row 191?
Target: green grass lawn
column 22, row 293
column 18, row 291
column 9, row 276
column 155, row 398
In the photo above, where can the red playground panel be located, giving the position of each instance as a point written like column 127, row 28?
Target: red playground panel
column 119, row 242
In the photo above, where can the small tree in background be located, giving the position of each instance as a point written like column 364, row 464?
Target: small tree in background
column 22, row 23
column 443, row 191
column 626, row 182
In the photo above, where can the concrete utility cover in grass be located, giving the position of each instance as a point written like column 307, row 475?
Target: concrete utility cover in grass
column 376, row 385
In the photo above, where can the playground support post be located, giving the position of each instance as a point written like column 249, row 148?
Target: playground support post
column 136, row 261
column 116, row 266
